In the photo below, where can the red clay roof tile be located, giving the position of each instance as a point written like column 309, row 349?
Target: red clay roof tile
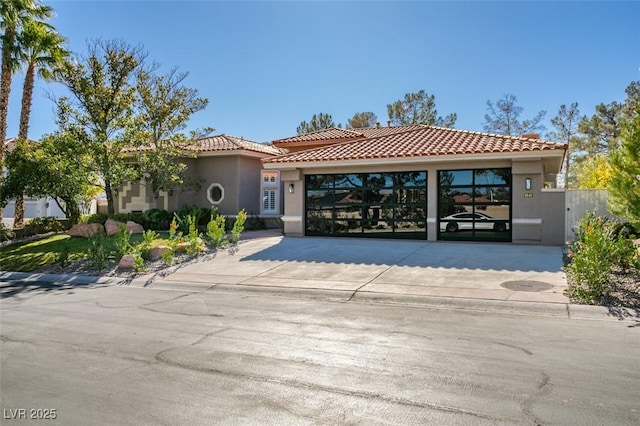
column 419, row 141
column 223, row 142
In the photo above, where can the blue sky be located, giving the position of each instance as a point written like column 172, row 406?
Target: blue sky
column 266, row 66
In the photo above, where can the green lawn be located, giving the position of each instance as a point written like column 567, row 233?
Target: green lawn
column 28, row 257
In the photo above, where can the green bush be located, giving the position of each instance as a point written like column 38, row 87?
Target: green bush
column 600, row 247
column 216, row 231
column 95, row 218
column 201, row 215
column 39, row 225
column 157, row 219
column 97, row 252
column 255, row 222
column 136, row 217
column 6, row 233
column 144, row 246
column 121, row 241
column 238, row 226
column 63, row 259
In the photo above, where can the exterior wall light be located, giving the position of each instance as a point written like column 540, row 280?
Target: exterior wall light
column 527, row 184
column 292, row 188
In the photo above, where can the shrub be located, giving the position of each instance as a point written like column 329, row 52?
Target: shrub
column 201, row 215
column 157, row 219
column 144, row 246
column 97, row 253
column 136, row 217
column 624, row 230
column 255, row 222
column 216, row 231
column 195, row 244
column 138, row 260
column 600, row 247
column 41, row 225
column 64, row 257
column 6, row 233
column 238, row 226
column 121, row 240
column 590, row 257
column 172, row 243
column 95, row 218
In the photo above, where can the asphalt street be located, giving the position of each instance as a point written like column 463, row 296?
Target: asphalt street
column 106, row 354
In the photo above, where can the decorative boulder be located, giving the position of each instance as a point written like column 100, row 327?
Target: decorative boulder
column 111, row 226
column 127, row 262
column 157, row 252
column 136, row 228
column 86, row 229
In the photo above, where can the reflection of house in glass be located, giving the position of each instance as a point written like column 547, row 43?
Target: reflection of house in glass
column 422, row 182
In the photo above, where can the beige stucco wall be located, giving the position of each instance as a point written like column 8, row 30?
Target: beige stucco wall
column 224, row 171
column 527, row 211
column 526, row 205
column 248, row 189
column 185, row 196
column 239, row 176
column 553, row 216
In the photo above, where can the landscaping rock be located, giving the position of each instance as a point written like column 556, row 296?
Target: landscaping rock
column 636, row 244
column 127, row 262
column 111, row 226
column 182, row 247
column 86, row 229
column 157, row 252
column 134, row 227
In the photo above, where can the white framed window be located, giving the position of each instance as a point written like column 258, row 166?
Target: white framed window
column 215, row 193
column 269, row 201
column 270, row 192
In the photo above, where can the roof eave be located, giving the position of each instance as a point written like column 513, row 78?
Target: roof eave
column 519, row 155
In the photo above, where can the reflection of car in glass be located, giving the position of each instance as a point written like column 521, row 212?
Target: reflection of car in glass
column 459, row 221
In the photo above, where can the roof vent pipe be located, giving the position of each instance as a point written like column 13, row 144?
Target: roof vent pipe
column 377, row 124
column 388, row 123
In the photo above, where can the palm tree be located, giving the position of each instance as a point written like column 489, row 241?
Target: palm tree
column 41, row 50
column 13, row 14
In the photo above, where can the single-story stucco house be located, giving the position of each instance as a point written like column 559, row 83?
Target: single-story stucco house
column 421, row 182
column 226, row 171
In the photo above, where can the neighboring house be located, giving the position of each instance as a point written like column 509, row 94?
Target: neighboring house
column 227, row 172
column 421, row 182
column 33, row 207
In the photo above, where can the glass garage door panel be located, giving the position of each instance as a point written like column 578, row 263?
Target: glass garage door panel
column 389, row 205
column 474, row 205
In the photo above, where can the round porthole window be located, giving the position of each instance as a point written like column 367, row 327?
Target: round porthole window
column 215, row 193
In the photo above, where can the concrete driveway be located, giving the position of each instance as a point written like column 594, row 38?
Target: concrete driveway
column 374, row 267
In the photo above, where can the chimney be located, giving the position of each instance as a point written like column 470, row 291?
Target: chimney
column 388, row 123
column 530, row 135
column 377, row 124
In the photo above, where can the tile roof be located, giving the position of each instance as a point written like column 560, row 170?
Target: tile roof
column 336, row 133
column 223, row 142
column 419, row 141
column 373, row 132
column 232, row 143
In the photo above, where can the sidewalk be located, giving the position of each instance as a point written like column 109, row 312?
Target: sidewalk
column 485, row 276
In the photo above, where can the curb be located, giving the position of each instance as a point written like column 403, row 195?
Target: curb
column 556, row 310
